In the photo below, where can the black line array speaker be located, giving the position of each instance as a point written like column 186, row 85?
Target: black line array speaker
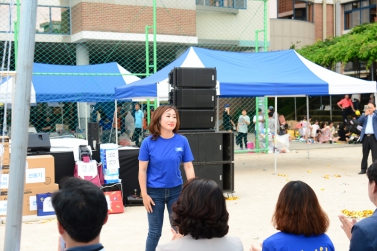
column 193, row 77
column 194, row 95
column 194, row 98
column 196, row 118
column 93, row 135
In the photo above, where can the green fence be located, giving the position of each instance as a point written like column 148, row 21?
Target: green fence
column 141, row 36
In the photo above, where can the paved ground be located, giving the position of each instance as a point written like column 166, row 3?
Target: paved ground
column 257, row 189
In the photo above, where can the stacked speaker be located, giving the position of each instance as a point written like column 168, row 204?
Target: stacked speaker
column 194, row 95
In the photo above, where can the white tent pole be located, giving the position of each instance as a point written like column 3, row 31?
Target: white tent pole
column 307, row 123
column 78, row 114
column 295, row 110
column 276, row 129
column 86, row 121
column 116, row 122
column 217, row 114
column 331, row 109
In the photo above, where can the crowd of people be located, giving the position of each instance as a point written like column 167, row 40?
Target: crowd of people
column 199, row 218
column 197, row 209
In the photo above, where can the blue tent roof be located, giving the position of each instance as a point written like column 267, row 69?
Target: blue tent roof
column 245, row 74
column 58, row 85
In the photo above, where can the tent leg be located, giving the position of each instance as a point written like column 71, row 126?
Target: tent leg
column 217, row 114
column 295, row 110
column 275, row 133
column 331, row 108
column 86, row 121
column 78, row 114
column 308, row 123
column 116, row 121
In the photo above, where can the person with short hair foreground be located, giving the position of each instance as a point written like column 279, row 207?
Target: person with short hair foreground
column 201, row 218
column 81, row 211
column 301, row 221
column 363, row 234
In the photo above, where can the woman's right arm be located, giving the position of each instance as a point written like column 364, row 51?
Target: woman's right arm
column 147, row 200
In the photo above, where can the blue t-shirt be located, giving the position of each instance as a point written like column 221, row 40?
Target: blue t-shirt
column 291, row 242
column 165, row 157
column 139, row 115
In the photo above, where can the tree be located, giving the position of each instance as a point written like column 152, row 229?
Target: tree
column 360, row 44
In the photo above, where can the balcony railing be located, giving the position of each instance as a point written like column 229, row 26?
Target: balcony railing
column 233, row 4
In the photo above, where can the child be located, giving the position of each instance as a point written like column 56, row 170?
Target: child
column 314, row 131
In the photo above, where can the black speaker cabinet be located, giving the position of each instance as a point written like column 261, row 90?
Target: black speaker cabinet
column 221, row 173
column 39, row 142
column 194, row 98
column 196, row 119
column 211, row 146
column 93, row 135
column 193, row 77
column 207, row 171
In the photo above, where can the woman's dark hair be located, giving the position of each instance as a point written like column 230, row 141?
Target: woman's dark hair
column 298, row 211
column 201, row 210
column 155, row 126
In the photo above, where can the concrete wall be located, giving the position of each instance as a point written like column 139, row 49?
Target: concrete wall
column 285, row 32
column 212, row 25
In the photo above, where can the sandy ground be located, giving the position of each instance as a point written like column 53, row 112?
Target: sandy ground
column 257, row 189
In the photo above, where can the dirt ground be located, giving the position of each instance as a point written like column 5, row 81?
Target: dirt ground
column 257, row 189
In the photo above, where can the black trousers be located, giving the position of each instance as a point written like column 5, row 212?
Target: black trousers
column 345, row 112
column 242, row 137
column 369, row 144
column 136, row 136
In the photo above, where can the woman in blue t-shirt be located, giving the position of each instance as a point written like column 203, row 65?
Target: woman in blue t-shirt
column 159, row 175
column 301, row 221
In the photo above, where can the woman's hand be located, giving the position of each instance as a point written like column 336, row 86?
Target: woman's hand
column 176, row 235
column 148, row 202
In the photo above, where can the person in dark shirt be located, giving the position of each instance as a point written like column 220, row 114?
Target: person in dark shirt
column 227, row 119
column 343, row 133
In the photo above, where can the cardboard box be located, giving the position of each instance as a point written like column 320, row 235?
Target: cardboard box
column 29, row 201
column 39, row 171
column 4, row 151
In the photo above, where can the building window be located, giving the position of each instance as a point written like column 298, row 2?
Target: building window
column 236, row 4
column 50, row 19
column 360, row 12
column 296, row 10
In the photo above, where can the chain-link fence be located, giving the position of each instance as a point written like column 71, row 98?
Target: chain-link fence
column 141, row 37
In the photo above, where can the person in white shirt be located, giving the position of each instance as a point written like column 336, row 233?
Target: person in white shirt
column 314, row 131
column 201, row 218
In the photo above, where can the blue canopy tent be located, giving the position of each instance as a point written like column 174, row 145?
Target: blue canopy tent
column 81, row 83
column 86, row 83
column 245, row 74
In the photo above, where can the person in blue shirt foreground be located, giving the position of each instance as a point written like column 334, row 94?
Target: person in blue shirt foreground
column 301, row 221
column 363, row 234
column 160, row 178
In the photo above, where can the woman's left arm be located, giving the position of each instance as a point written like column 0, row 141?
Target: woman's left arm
column 189, row 170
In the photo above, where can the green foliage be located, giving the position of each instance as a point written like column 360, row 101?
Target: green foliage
column 359, row 44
